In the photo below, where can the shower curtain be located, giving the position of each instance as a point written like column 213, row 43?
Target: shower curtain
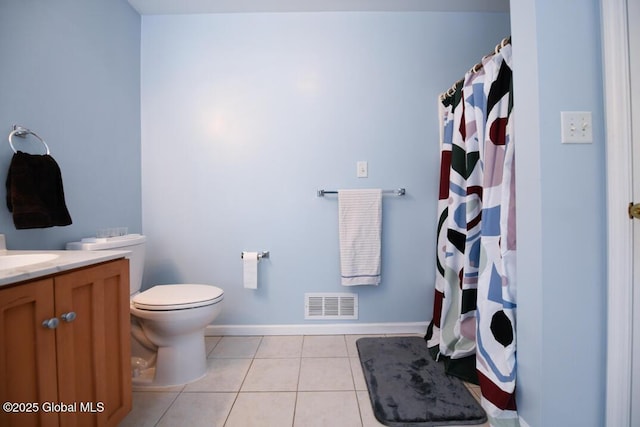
column 474, row 314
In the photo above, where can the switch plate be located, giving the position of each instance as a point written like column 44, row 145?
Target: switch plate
column 362, row 169
column 576, row 127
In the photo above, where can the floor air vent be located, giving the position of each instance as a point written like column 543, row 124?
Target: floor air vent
column 334, row 306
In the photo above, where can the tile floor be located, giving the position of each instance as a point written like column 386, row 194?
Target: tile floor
column 279, row 381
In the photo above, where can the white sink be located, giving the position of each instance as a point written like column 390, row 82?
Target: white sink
column 8, row 262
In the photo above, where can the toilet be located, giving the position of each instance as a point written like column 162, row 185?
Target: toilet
column 167, row 321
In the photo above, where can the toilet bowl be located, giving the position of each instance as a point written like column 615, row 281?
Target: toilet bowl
column 167, row 321
column 173, row 318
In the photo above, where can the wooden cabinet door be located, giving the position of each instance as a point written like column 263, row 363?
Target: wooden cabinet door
column 94, row 348
column 27, row 353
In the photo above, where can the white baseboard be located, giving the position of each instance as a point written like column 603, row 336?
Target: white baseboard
column 319, row 329
column 523, row 423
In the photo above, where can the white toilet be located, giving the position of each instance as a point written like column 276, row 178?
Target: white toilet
column 167, row 321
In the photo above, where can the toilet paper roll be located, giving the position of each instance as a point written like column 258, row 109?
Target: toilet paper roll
column 250, row 269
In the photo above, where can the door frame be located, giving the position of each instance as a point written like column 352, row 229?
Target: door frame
column 617, row 90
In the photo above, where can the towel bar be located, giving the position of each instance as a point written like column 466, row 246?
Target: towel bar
column 398, row 192
column 263, row 254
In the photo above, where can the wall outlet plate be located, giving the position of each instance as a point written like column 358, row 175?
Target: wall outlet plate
column 576, row 127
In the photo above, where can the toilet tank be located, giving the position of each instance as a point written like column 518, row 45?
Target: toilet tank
column 135, row 243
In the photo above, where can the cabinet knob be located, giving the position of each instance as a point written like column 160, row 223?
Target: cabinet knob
column 68, row 317
column 51, row 323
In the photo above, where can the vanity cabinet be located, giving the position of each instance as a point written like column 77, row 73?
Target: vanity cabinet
column 65, row 348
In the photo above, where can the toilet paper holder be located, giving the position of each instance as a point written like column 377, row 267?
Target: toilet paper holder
column 263, row 254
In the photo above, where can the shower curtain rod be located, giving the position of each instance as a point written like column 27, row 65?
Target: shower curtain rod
column 505, row 41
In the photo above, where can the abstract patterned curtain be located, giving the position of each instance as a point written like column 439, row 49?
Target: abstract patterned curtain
column 474, row 320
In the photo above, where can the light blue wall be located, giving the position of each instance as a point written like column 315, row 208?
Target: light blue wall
column 561, row 215
column 245, row 116
column 71, row 72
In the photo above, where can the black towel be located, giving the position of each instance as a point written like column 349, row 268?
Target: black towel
column 34, row 192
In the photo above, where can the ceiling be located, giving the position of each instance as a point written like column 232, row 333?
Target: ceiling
column 164, row 7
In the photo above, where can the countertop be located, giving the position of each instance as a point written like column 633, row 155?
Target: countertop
column 66, row 260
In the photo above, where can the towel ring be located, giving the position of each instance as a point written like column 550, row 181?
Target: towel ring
column 22, row 132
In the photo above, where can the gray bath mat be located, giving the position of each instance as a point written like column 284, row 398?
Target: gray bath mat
column 408, row 388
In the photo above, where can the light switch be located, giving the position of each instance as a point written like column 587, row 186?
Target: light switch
column 363, row 169
column 576, row 127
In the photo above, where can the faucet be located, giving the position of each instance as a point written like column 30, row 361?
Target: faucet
column 3, row 244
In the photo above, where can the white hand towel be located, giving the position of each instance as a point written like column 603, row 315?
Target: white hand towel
column 360, row 222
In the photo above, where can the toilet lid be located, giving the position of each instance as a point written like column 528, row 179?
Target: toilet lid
column 177, row 297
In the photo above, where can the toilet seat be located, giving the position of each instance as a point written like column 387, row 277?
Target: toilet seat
column 177, row 297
